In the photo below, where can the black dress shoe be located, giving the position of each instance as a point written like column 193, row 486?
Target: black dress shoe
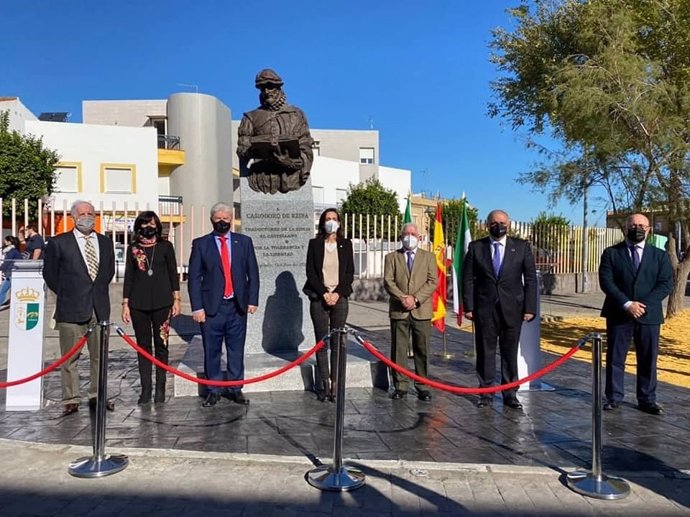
column 424, row 396
column 512, row 402
column 211, row 399
column 652, row 409
column 484, row 402
column 70, row 408
column 239, row 398
column 109, row 404
column 398, row 395
column 610, row 405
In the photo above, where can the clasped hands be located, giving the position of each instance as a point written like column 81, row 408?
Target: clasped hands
column 331, row 298
column 408, row 302
column 636, row 309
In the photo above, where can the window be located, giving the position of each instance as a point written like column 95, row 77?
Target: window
column 317, row 148
column 366, row 155
column 68, row 175
column 340, row 195
column 118, row 178
column 318, row 194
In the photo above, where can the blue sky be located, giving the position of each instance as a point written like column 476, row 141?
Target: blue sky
column 419, row 72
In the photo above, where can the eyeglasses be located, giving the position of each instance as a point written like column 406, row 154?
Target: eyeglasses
column 640, row 226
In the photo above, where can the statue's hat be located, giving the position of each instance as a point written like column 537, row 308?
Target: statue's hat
column 267, row 76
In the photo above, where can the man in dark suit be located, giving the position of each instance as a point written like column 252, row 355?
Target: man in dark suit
column 499, row 292
column 78, row 267
column 409, row 277
column 223, row 284
column 635, row 278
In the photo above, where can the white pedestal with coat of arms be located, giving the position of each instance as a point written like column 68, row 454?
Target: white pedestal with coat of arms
column 25, row 347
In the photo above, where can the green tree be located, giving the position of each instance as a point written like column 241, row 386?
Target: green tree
column 610, row 81
column 550, row 237
column 27, row 168
column 372, row 198
column 451, row 213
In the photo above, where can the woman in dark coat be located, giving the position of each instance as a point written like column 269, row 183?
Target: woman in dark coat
column 151, row 297
column 330, row 272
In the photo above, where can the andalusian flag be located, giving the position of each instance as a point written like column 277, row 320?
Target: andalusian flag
column 462, row 242
column 439, row 296
column 408, row 210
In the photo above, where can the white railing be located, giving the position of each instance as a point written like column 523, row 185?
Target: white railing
column 558, row 249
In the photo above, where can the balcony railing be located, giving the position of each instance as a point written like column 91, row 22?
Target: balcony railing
column 168, row 142
column 170, row 205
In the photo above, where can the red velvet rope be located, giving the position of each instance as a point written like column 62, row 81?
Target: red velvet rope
column 225, row 384
column 476, row 391
column 48, row 369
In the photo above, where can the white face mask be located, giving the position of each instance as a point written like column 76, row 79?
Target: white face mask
column 331, row 226
column 409, row 242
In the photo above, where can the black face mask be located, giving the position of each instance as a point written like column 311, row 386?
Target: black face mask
column 497, row 231
column 148, row 232
column 635, row 235
column 221, row 227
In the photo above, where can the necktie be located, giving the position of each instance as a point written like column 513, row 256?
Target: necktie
column 91, row 259
column 497, row 258
column 635, row 257
column 410, row 261
column 225, row 259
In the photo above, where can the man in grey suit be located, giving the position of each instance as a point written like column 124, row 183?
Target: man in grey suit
column 410, row 280
column 635, row 278
column 499, row 292
column 78, row 267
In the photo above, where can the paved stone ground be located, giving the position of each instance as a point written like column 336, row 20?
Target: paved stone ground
column 420, row 458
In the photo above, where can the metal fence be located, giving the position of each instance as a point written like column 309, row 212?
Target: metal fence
column 557, row 249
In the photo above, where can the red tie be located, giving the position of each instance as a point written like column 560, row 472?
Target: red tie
column 225, row 258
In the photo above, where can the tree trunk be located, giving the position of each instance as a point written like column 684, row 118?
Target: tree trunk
column 677, row 296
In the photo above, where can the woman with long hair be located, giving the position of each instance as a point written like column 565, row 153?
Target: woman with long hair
column 151, row 296
column 330, row 272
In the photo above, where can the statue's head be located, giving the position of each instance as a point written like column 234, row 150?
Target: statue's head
column 270, row 84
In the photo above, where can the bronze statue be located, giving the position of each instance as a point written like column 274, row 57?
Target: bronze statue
column 275, row 138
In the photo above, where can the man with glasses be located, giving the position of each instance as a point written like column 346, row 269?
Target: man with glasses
column 636, row 277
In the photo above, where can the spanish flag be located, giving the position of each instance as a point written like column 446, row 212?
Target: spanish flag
column 439, row 296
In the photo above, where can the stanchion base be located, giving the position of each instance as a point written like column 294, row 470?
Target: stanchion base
column 444, row 355
column 325, row 478
column 608, row 487
column 92, row 468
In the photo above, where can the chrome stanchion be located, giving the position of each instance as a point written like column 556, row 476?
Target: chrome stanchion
column 445, row 354
column 337, row 477
column 100, row 464
column 595, row 483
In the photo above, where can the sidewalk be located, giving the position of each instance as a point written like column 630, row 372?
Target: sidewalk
column 419, row 458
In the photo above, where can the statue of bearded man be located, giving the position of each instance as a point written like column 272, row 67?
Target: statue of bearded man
column 274, row 144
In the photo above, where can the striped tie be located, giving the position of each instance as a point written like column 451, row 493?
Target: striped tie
column 91, row 259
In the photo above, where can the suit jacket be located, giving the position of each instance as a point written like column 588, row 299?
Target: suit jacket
column 314, row 287
column 421, row 283
column 652, row 283
column 66, row 274
column 205, row 279
column 515, row 288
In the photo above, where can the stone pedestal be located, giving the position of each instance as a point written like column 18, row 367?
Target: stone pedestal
column 280, row 226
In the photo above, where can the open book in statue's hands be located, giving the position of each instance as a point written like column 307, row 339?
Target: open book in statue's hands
column 267, row 147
